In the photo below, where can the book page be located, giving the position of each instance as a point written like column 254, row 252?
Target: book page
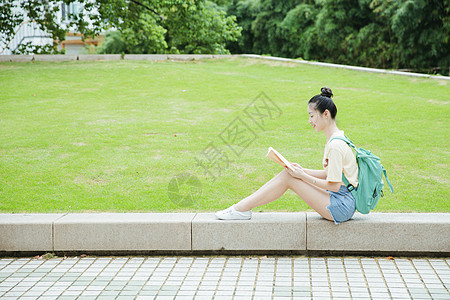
column 278, row 158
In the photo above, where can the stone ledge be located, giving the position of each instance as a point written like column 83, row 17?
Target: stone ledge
column 27, row 232
column 92, row 57
column 191, row 233
column 145, row 57
column 381, row 232
column 123, row 231
column 188, row 57
column 265, row 231
column 54, row 58
column 16, row 58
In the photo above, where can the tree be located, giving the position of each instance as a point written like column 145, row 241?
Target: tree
column 423, row 29
column 245, row 12
column 144, row 26
column 412, row 34
column 299, row 31
column 9, row 20
column 261, row 24
column 375, row 42
column 14, row 13
column 338, row 23
column 202, row 28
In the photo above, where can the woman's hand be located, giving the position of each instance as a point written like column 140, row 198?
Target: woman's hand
column 298, row 171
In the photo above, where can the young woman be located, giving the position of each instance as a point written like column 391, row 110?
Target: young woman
column 323, row 190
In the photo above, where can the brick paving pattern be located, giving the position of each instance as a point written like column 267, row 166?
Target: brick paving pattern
column 224, row 278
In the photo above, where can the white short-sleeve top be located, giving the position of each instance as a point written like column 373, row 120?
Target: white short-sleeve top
column 339, row 158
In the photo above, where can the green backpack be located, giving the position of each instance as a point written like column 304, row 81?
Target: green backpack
column 370, row 179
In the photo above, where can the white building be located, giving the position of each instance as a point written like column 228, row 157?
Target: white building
column 29, row 31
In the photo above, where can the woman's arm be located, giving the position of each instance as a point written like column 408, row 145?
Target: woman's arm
column 319, row 181
column 321, row 174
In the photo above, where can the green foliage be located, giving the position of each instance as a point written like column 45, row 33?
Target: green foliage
column 143, row 35
column 44, row 13
column 374, row 45
column 113, row 44
column 37, row 49
column 202, row 28
column 300, row 33
column 8, row 21
column 48, row 256
column 422, row 35
column 337, row 25
column 400, row 34
column 143, row 26
column 411, row 34
column 245, row 12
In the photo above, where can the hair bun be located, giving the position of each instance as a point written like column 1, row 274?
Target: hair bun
column 326, row 92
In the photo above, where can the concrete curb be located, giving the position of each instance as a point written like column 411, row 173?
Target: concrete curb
column 194, row 57
column 415, row 234
column 355, row 68
column 108, row 57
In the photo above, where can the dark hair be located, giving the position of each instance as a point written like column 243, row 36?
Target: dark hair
column 323, row 102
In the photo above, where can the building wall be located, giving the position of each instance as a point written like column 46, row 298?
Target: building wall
column 30, row 32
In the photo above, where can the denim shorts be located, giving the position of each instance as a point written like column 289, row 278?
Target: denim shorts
column 342, row 205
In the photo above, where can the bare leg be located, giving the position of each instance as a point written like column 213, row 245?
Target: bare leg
column 316, row 198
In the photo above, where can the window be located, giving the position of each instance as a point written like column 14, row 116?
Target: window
column 68, row 10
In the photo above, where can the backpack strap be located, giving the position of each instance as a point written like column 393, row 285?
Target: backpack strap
column 350, row 186
column 387, row 180
column 345, row 139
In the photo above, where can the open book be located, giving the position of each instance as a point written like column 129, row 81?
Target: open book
column 278, row 158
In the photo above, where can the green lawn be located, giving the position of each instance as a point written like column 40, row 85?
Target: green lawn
column 110, row 136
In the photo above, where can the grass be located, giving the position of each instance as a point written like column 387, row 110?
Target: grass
column 110, row 136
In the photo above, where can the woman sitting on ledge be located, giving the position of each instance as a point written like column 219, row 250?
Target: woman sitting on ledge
column 322, row 190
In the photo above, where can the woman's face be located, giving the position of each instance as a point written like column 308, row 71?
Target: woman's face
column 316, row 119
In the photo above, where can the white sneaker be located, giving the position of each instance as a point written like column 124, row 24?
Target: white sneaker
column 232, row 214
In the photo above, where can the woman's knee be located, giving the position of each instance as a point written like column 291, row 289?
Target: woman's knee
column 285, row 177
column 284, row 174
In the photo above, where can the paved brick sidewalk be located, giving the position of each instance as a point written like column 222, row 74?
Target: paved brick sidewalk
column 224, row 278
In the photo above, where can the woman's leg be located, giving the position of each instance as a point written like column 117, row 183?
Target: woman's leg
column 315, row 197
